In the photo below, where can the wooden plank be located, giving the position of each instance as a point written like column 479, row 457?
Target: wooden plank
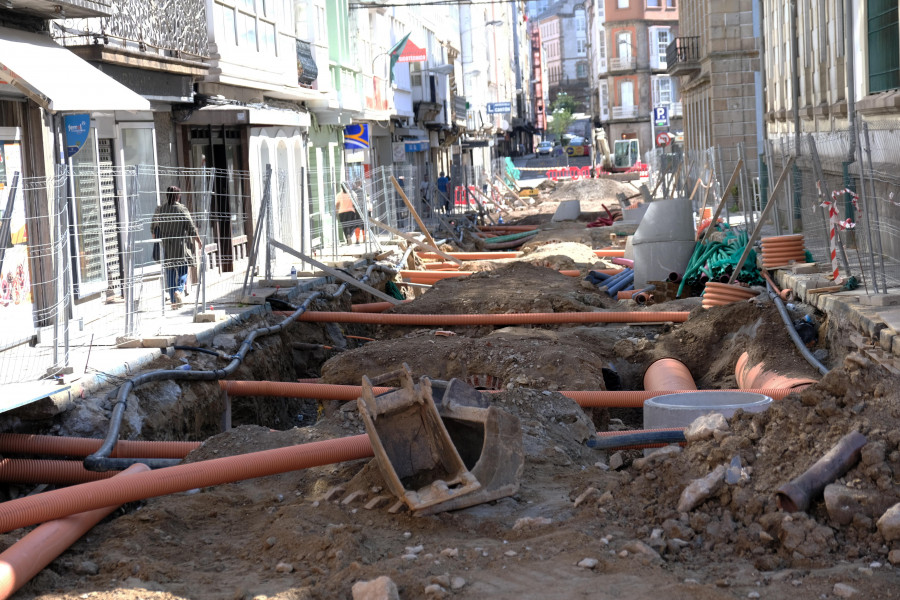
column 415, row 214
column 413, row 240
column 762, row 219
column 334, row 272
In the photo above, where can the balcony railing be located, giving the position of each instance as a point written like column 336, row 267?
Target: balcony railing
column 626, row 63
column 683, row 55
column 624, row 112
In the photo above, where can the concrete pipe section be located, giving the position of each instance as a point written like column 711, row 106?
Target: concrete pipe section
column 680, row 410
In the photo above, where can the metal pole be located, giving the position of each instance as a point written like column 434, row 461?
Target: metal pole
column 267, row 200
column 879, row 246
column 863, row 197
column 820, row 177
column 772, row 198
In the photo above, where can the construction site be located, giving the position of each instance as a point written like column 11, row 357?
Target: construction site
column 588, row 387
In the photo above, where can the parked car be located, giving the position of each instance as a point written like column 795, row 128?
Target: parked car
column 545, row 148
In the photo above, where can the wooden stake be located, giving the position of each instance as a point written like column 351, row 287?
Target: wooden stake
column 413, row 240
column 415, row 215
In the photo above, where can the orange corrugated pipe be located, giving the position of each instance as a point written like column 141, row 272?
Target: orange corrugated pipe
column 786, row 294
column 55, row 504
column 328, row 391
column 374, row 307
column 626, row 295
column 609, row 253
column 668, row 374
column 470, row 255
column 441, row 266
column 752, row 376
column 58, row 472
column 21, row 443
column 27, row 557
column 491, row 319
column 720, row 294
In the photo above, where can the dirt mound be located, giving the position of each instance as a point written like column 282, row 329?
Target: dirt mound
column 510, row 357
column 513, row 288
column 774, row 447
column 590, row 192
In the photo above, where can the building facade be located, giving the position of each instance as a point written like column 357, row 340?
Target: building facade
column 630, row 81
column 717, row 58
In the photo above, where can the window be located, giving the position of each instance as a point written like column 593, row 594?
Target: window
column 581, row 70
column 581, row 46
column 247, row 27
column 659, row 42
column 604, row 100
column 670, row 3
column 623, row 44
column 601, row 9
column 884, row 46
column 626, row 94
column 580, row 21
column 224, row 16
column 267, row 37
column 662, row 91
column 601, row 45
column 654, row 3
column 622, row 3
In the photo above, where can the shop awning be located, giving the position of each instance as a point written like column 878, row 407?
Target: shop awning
column 59, row 80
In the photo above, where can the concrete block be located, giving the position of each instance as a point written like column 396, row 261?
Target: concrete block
column 186, row 340
column 162, row 341
column 128, row 342
column 886, row 338
column 880, row 300
column 210, row 316
column 254, row 300
column 568, row 210
column 891, row 318
column 804, row 268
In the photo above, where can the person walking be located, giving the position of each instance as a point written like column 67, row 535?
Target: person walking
column 443, row 186
column 172, row 223
column 346, row 215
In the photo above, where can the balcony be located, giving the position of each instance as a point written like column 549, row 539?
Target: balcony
column 683, row 56
column 626, row 63
column 624, row 112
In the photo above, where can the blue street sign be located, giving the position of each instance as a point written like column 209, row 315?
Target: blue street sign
column 77, row 129
column 499, row 107
column 661, row 116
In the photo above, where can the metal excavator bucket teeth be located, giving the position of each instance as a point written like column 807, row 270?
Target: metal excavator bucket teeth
column 441, row 445
column 414, row 452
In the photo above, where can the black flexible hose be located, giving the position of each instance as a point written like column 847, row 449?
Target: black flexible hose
column 793, row 333
column 636, row 439
column 101, row 461
column 204, row 351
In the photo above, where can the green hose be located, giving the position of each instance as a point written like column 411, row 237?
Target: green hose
column 510, row 237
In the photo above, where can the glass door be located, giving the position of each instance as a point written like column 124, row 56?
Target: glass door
column 136, row 148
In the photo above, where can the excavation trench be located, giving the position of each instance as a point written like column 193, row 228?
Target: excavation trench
column 305, row 528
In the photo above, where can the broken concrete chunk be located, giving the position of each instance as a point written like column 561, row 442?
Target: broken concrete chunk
column 700, row 489
column 842, row 590
column 525, row 522
column 568, row 210
column 587, row 494
column 889, row 524
column 705, row 427
column 640, row 548
column 588, row 563
column 658, row 456
column 616, row 461
column 382, row 588
column 844, row 503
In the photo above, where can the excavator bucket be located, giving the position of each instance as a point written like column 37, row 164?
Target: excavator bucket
column 415, row 454
column 440, row 445
column 488, row 439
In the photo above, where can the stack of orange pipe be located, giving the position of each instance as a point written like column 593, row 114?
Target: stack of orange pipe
column 720, row 294
column 781, row 250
